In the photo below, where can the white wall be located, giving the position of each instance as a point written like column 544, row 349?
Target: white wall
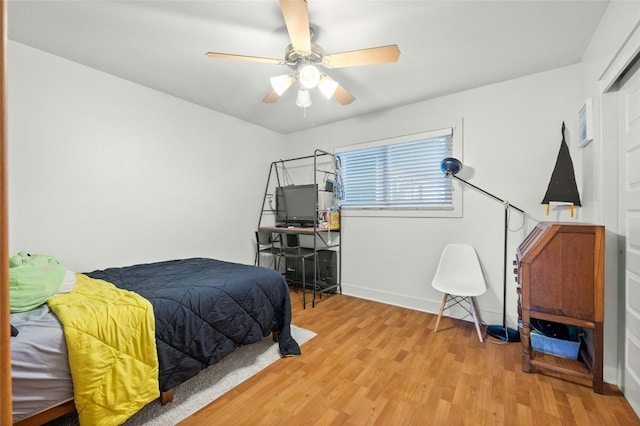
column 512, row 134
column 104, row 172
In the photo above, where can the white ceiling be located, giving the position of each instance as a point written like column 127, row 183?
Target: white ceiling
column 446, row 47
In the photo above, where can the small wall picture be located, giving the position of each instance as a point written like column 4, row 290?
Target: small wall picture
column 585, row 123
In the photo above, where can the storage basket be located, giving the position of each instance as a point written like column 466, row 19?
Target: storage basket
column 552, row 346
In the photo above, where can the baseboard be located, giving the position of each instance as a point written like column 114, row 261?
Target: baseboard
column 417, row 304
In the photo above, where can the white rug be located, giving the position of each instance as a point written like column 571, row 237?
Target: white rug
column 209, row 384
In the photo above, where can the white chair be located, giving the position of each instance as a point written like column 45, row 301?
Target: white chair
column 459, row 276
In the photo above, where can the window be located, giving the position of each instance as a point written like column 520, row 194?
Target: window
column 399, row 174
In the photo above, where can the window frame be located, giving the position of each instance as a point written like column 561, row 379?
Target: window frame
column 411, row 211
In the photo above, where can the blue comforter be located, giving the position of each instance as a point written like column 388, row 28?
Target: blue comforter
column 205, row 308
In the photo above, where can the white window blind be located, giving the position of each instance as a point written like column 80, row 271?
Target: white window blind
column 401, row 174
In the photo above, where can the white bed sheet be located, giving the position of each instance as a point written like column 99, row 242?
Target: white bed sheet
column 40, row 375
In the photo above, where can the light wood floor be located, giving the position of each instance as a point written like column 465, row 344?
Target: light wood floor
column 375, row 364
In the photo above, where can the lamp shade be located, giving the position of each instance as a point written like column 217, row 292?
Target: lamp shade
column 281, row 83
column 327, row 86
column 304, row 99
column 450, row 166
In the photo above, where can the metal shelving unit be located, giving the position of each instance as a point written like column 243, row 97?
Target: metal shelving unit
column 324, row 238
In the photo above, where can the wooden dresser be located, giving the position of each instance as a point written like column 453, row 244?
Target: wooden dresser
column 560, row 276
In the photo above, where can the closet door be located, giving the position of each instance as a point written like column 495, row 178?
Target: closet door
column 629, row 219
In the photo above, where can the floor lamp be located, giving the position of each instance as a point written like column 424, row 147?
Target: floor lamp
column 450, row 167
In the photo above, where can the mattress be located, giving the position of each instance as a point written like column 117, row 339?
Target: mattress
column 40, row 373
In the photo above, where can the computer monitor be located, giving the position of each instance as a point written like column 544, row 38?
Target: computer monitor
column 296, row 204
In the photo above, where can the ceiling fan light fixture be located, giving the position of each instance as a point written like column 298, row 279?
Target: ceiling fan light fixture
column 281, row 83
column 327, row 86
column 309, row 76
column 304, row 57
column 303, row 100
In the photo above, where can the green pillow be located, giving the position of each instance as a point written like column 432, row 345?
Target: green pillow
column 33, row 278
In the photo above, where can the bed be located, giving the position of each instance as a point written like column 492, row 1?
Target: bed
column 203, row 310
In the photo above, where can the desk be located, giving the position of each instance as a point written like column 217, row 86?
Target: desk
column 308, row 230
column 327, row 270
column 560, row 278
column 292, row 230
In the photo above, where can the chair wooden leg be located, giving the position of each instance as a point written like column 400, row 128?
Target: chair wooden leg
column 476, row 317
column 444, row 303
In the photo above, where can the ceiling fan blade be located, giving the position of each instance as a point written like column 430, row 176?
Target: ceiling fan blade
column 373, row 55
column 296, row 17
column 341, row 95
column 271, row 97
column 244, row 58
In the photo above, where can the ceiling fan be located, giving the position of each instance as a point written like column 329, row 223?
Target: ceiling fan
column 304, row 57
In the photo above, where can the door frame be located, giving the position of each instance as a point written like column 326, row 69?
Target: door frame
column 609, row 183
column 5, row 330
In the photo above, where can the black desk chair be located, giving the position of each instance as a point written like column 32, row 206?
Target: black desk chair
column 296, row 257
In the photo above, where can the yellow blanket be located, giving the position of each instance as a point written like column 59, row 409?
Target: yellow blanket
column 110, row 336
